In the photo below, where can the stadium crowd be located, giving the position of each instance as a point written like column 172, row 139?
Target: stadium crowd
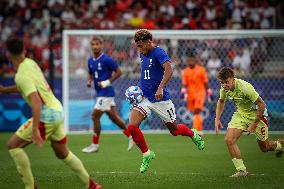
column 42, row 22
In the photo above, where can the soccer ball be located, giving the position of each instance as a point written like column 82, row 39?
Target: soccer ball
column 134, row 94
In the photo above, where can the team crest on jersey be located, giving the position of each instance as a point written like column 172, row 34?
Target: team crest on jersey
column 151, row 64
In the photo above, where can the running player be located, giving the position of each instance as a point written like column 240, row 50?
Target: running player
column 46, row 122
column 156, row 71
column 103, row 70
column 250, row 116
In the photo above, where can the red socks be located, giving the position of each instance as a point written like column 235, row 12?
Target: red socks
column 184, row 131
column 96, row 139
column 138, row 138
column 126, row 132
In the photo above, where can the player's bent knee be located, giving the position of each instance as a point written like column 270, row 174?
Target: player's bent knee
column 60, row 149
column 10, row 145
column 61, row 154
column 95, row 118
column 229, row 141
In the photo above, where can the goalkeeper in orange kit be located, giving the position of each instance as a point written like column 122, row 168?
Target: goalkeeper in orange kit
column 194, row 88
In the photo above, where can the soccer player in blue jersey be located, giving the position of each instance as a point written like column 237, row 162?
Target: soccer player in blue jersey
column 103, row 70
column 156, row 71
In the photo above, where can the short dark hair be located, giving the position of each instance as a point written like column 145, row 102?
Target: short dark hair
column 15, row 45
column 98, row 38
column 142, row 35
column 226, row 73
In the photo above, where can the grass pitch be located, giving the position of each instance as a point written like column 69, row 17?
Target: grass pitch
column 178, row 164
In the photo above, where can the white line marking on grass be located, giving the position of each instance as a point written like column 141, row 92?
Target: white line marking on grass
column 256, row 174
column 157, row 173
column 164, row 173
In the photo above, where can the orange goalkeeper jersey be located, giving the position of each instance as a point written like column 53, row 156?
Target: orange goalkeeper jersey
column 195, row 80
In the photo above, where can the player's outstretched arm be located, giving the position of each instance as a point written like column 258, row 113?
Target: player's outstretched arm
column 8, row 89
column 166, row 78
column 219, row 111
column 36, row 111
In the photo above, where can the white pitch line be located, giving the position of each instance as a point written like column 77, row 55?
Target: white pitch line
column 165, row 173
column 256, row 174
column 158, row 173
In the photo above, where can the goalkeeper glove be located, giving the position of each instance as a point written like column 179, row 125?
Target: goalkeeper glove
column 210, row 95
column 105, row 83
column 183, row 94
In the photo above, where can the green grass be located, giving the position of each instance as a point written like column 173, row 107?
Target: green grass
column 178, row 164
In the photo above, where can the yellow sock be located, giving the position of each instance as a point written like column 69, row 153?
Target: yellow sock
column 76, row 165
column 278, row 145
column 239, row 164
column 23, row 166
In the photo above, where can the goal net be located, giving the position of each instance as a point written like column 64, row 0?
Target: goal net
column 256, row 56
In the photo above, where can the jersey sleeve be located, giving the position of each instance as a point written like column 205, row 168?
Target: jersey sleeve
column 112, row 64
column 162, row 56
column 250, row 92
column 25, row 85
column 223, row 95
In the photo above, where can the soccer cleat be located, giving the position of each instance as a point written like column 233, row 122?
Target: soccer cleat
column 91, row 148
column 93, row 184
column 146, row 161
column 279, row 153
column 240, row 174
column 198, row 141
column 130, row 143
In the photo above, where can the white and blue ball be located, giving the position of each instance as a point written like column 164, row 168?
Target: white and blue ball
column 134, row 94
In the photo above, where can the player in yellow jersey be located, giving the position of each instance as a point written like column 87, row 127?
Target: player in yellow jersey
column 46, row 122
column 250, row 116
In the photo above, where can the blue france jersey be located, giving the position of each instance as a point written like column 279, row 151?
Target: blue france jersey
column 152, row 72
column 101, row 69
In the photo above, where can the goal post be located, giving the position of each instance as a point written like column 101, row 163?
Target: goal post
column 262, row 64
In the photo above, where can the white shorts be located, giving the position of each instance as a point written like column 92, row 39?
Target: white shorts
column 164, row 109
column 104, row 103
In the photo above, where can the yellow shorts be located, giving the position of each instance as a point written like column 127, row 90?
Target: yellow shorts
column 240, row 122
column 48, row 131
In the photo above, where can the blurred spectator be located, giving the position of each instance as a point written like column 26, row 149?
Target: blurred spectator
column 242, row 60
column 213, row 64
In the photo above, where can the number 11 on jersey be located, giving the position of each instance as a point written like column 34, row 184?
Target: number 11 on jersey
column 146, row 74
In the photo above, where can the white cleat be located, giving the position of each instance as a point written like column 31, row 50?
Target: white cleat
column 130, row 143
column 91, row 148
column 240, row 174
